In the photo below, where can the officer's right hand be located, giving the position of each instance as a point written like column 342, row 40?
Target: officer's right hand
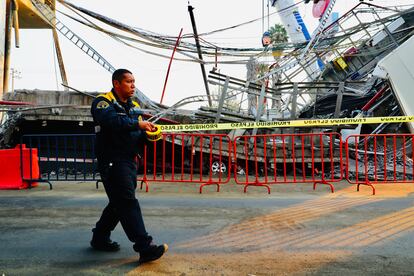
column 147, row 126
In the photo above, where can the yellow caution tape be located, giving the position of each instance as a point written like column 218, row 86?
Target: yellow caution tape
column 154, row 135
column 295, row 123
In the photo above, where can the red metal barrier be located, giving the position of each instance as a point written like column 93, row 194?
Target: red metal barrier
column 261, row 160
column 196, row 158
column 379, row 158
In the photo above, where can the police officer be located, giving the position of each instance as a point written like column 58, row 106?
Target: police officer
column 119, row 136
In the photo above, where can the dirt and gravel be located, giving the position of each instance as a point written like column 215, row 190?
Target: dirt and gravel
column 292, row 231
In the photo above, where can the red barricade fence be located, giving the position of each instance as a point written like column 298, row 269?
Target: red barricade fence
column 184, row 157
column 379, row 158
column 315, row 158
column 210, row 159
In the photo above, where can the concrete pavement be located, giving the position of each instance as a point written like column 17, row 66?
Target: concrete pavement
column 293, row 231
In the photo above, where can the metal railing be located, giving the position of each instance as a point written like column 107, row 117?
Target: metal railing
column 289, row 158
column 379, row 158
column 63, row 157
column 211, row 159
column 195, row 158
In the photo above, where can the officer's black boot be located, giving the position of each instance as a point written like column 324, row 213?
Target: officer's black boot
column 151, row 253
column 103, row 243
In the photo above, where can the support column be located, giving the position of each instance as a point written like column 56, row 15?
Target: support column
column 294, row 105
column 7, row 47
column 2, row 43
column 294, row 101
column 261, row 106
column 59, row 57
column 338, row 107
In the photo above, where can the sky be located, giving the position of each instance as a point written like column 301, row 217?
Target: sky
column 36, row 61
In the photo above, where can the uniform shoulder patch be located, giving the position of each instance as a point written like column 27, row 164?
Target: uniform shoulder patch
column 102, row 105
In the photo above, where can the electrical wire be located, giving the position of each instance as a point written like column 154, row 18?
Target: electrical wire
column 162, row 42
column 250, row 21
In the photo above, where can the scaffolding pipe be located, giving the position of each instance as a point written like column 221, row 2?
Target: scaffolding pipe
column 374, row 99
column 16, row 23
column 14, row 103
column 3, row 10
column 169, row 65
column 59, row 55
column 7, row 48
column 200, row 56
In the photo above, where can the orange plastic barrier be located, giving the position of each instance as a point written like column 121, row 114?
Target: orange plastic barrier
column 11, row 167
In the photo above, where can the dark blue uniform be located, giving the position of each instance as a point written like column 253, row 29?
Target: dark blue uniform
column 118, row 140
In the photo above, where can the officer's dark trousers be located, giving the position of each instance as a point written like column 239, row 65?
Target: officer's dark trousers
column 119, row 180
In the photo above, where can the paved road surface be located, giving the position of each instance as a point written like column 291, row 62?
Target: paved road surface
column 293, row 231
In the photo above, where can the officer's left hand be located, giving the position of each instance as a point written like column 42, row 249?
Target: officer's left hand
column 147, row 126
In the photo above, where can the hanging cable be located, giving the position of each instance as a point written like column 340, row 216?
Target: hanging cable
column 248, row 22
column 212, row 50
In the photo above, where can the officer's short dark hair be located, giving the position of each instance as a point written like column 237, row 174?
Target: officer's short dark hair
column 119, row 74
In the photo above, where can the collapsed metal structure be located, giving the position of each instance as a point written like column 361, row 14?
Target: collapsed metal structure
column 329, row 76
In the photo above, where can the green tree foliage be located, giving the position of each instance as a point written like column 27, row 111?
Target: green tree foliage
column 278, row 34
